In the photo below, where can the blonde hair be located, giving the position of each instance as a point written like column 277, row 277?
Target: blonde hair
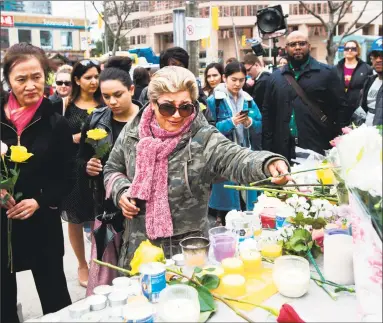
column 172, row 79
column 357, row 46
column 64, row 69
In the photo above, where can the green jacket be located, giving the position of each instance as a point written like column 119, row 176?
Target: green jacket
column 202, row 157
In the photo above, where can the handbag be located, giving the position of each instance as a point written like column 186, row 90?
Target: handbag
column 106, row 244
column 314, row 108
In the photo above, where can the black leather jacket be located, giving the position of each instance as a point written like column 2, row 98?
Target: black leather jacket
column 361, row 72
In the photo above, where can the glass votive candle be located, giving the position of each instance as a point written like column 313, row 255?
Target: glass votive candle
column 270, row 249
column 252, row 261
column 179, row 303
column 291, row 275
column 223, row 242
column 195, row 251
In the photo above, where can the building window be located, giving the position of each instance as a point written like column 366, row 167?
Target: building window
column 317, row 31
column 168, row 38
column 66, row 40
column 25, row 36
column 4, row 39
column 46, row 39
column 341, row 29
column 132, row 40
column 292, row 28
column 380, row 30
column 143, row 39
column 144, row 5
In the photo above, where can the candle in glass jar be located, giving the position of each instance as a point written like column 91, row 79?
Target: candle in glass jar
column 252, row 260
column 233, row 266
column 271, row 251
column 180, row 310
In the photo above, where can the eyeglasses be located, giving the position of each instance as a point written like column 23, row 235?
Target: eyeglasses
column 167, row 109
column 86, row 62
column 66, row 83
column 296, row 43
column 377, row 54
column 248, row 69
column 353, row 49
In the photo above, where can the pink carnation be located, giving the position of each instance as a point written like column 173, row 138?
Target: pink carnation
column 346, row 130
column 335, row 142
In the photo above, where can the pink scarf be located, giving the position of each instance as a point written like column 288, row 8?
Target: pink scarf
column 150, row 182
column 21, row 116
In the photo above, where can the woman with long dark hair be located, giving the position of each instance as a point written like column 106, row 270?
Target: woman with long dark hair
column 85, row 97
column 35, row 240
column 141, row 79
column 212, row 77
column 117, row 90
column 238, row 118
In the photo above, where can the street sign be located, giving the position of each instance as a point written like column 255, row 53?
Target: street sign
column 7, row 21
column 197, row 28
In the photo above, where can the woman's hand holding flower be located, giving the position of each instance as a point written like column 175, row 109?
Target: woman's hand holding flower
column 11, row 201
column 94, row 167
column 278, row 168
column 128, row 206
column 23, row 210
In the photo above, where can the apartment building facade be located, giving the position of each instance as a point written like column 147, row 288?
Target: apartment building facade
column 152, row 23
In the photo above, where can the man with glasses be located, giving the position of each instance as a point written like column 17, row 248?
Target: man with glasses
column 304, row 103
column 371, row 103
column 256, row 87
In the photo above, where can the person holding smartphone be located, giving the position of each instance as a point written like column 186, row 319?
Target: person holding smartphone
column 237, row 117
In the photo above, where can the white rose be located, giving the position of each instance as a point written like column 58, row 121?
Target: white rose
column 3, row 148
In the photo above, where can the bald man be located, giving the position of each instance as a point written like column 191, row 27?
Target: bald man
column 290, row 121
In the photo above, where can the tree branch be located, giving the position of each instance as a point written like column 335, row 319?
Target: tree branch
column 102, row 17
column 360, row 27
column 314, row 14
column 355, row 21
column 341, row 15
column 330, row 6
column 130, row 30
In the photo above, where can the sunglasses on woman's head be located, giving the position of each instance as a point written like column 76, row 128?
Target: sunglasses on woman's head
column 66, row 83
column 167, row 109
column 86, row 62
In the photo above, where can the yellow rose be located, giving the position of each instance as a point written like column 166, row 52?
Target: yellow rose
column 145, row 253
column 90, row 110
column 96, row 134
column 19, row 154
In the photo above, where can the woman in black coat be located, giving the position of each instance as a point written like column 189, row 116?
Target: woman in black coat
column 352, row 72
column 29, row 120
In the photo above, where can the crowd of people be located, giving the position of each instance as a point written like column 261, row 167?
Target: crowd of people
column 171, row 146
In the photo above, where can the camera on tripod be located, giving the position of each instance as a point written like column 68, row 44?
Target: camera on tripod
column 271, row 24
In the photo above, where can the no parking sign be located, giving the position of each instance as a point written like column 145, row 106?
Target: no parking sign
column 197, row 28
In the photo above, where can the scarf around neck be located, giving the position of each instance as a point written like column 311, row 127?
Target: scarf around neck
column 21, row 116
column 150, row 182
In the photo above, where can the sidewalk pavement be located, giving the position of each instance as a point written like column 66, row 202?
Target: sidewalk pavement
column 27, row 294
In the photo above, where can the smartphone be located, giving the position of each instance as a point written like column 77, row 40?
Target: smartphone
column 246, row 112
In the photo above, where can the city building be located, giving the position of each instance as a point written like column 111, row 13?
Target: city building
column 152, row 23
column 39, row 7
column 12, row 5
column 64, row 35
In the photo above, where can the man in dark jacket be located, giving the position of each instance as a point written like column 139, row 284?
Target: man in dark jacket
column 259, row 77
column 287, row 121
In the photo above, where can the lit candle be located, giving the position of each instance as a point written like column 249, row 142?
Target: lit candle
column 252, row 261
column 233, row 266
column 271, row 251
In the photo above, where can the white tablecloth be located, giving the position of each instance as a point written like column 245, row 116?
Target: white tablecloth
column 315, row 306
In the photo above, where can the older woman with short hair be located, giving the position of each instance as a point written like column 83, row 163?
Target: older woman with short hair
column 163, row 163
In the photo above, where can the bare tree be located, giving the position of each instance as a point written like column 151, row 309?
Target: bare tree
column 336, row 12
column 120, row 10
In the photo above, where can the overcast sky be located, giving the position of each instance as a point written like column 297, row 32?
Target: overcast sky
column 75, row 9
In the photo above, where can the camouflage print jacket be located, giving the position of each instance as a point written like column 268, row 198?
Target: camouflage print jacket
column 202, row 156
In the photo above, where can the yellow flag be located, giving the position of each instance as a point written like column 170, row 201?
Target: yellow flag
column 205, row 42
column 99, row 21
column 243, row 40
column 214, row 18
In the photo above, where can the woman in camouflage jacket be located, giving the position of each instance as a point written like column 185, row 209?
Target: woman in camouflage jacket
column 163, row 164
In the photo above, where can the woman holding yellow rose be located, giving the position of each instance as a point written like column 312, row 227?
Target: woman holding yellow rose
column 39, row 144
column 101, row 130
column 85, row 97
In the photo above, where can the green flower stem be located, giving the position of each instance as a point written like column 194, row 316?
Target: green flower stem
column 291, row 173
column 5, row 166
column 321, row 282
column 247, row 188
column 327, row 282
column 105, row 264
